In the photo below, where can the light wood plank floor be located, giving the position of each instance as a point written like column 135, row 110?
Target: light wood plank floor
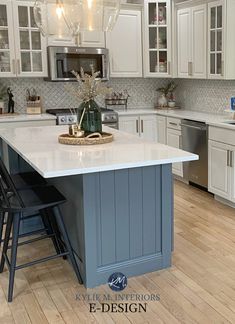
column 198, row 288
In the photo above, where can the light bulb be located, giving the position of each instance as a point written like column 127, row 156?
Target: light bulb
column 59, row 11
column 89, row 4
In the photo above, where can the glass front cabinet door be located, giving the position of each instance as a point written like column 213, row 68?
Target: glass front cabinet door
column 157, row 38
column 22, row 47
column 216, row 11
column 7, row 50
column 30, row 44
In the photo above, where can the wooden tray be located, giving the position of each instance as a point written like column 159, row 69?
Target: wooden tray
column 167, row 108
column 92, row 139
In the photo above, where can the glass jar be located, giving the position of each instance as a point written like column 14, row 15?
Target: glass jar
column 91, row 122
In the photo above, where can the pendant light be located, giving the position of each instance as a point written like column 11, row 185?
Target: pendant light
column 50, row 19
column 91, row 15
column 61, row 18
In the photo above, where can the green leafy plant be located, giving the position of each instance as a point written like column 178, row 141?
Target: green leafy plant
column 168, row 90
column 3, row 92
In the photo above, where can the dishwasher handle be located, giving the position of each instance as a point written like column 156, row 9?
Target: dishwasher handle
column 203, row 128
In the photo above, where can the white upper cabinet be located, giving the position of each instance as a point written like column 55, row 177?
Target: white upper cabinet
column 221, row 26
column 92, row 39
column 30, row 45
column 157, row 38
column 22, row 48
column 184, row 41
column 199, row 42
column 7, row 47
column 192, row 42
column 125, row 45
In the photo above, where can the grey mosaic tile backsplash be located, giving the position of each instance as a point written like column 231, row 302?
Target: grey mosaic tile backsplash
column 203, row 95
column 55, row 95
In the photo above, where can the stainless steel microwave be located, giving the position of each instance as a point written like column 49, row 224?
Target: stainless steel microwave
column 63, row 60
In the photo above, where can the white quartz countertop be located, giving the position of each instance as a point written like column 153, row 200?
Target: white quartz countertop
column 218, row 120
column 40, row 148
column 25, row 117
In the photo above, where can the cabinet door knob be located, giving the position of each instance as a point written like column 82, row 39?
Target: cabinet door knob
column 142, row 126
column 137, row 126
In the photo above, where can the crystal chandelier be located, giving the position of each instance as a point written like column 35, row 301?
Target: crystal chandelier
column 69, row 17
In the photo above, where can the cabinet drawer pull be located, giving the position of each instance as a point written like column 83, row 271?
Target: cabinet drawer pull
column 174, row 124
column 222, row 68
column 231, row 159
column 137, row 126
column 142, row 126
column 228, row 158
column 169, row 67
column 190, row 68
column 18, row 66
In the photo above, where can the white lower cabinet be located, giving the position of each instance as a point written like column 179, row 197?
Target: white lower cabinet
column 143, row 126
column 161, row 129
column 174, row 140
column 221, row 179
column 129, row 124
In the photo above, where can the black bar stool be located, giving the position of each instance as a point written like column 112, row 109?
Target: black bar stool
column 44, row 200
column 22, row 180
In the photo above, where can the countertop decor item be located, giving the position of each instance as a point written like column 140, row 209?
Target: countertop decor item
column 33, row 102
column 117, row 99
column 89, row 113
column 167, row 97
column 91, row 139
column 88, row 129
column 11, row 102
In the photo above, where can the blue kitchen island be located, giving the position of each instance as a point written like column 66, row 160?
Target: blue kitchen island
column 119, row 209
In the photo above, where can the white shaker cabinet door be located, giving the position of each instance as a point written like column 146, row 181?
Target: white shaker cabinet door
column 184, row 42
column 174, row 140
column 92, row 39
column 219, row 171
column 148, row 127
column 232, row 164
column 125, row 45
column 199, row 42
column 161, row 129
column 129, row 124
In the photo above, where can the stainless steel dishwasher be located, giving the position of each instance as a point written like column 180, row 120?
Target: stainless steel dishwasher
column 195, row 140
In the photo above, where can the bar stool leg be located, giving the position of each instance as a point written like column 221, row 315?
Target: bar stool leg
column 55, row 229
column 47, row 225
column 65, row 236
column 15, row 236
column 6, row 240
column 2, row 216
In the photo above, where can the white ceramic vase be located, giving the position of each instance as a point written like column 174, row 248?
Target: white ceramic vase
column 162, row 100
column 171, row 104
